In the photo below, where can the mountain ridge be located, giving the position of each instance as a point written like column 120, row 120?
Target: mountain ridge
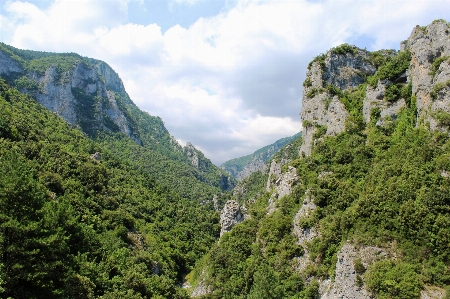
column 243, row 167
column 90, row 95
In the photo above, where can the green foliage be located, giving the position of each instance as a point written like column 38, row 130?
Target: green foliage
column 389, row 279
column 344, row 49
column 73, row 227
column 392, row 93
column 379, row 58
column 320, row 59
column 438, row 87
column 437, row 63
column 321, row 130
column 392, row 69
column 307, row 82
column 27, row 84
column 442, row 117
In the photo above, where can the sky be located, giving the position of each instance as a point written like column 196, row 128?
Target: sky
column 225, row 75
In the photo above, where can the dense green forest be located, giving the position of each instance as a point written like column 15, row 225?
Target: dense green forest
column 75, row 227
column 385, row 186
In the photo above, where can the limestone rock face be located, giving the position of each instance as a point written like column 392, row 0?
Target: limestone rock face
column 375, row 99
column 346, row 283
column 347, row 70
column 256, row 164
column 319, row 107
column 8, row 65
column 231, row 215
column 280, row 183
column 304, row 234
column 85, row 95
column 191, row 153
column 426, row 45
column 321, row 111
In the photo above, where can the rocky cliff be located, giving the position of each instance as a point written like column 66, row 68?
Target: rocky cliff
column 90, row 95
column 342, row 70
column 357, row 212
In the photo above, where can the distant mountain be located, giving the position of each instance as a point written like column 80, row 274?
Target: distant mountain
column 90, row 96
column 243, row 167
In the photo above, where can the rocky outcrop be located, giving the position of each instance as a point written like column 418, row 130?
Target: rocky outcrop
column 375, row 99
column 320, row 108
column 431, row 88
column 85, row 95
column 231, row 215
column 8, row 65
column 280, row 184
column 257, row 164
column 191, row 153
column 346, row 70
column 431, row 292
column 304, row 234
column 201, row 288
column 348, row 281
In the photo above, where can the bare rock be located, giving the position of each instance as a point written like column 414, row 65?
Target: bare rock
column 96, row 156
column 8, row 65
column 347, row 282
column 431, row 292
column 280, row 184
column 347, row 70
column 427, row 44
column 375, row 99
column 231, row 215
column 191, row 153
column 201, row 288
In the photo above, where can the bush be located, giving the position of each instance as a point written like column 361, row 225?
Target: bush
column 391, row 279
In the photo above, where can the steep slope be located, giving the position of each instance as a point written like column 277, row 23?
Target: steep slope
column 76, row 221
column 362, row 210
column 243, row 167
column 89, row 95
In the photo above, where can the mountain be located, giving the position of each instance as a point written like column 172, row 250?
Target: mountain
column 77, row 221
column 361, row 210
column 90, row 96
column 97, row 200
column 242, row 167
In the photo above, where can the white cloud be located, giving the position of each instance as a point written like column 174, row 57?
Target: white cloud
column 230, row 83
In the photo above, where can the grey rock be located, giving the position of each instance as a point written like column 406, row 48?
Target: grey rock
column 96, row 156
column 345, row 283
column 280, row 184
column 426, row 44
column 304, row 235
column 231, row 215
column 201, row 288
column 432, row 293
column 191, row 153
column 347, row 70
column 257, row 164
column 8, row 65
column 375, row 99
column 321, row 110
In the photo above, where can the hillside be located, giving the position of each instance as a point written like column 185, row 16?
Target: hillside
column 90, row 96
column 361, row 208
column 77, row 221
column 243, row 167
